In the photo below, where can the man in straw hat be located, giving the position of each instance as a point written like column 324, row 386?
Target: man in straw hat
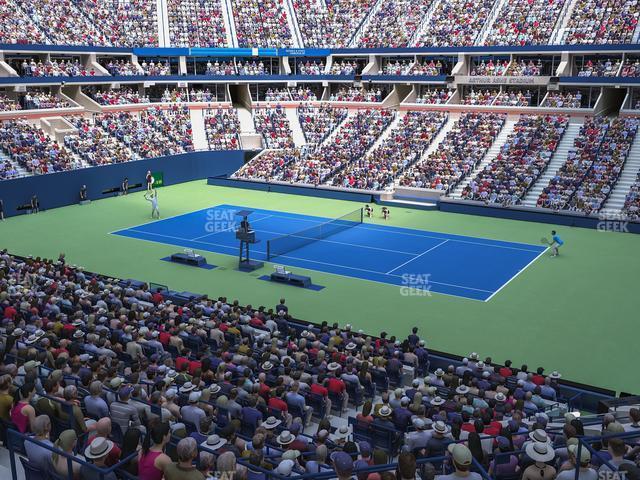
column 541, row 453
column 97, row 452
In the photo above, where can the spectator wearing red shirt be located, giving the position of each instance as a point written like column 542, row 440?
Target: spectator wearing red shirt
column 337, row 386
column 319, row 388
column 277, row 402
column 157, row 298
column 538, row 377
column 506, row 370
column 10, row 312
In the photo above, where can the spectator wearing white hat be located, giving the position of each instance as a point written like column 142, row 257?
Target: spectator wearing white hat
column 541, row 453
column 436, row 445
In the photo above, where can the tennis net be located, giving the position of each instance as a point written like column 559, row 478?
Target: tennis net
column 292, row 241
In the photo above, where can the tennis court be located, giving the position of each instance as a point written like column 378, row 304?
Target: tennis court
column 418, row 261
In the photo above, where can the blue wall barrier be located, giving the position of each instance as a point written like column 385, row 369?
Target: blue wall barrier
column 538, row 215
column 62, row 188
column 316, row 52
column 309, row 191
column 183, row 78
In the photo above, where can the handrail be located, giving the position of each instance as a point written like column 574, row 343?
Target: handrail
column 16, row 435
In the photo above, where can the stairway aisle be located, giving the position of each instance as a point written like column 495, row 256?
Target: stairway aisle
column 296, row 129
column 629, row 174
column 200, row 141
column 557, row 160
column 489, row 157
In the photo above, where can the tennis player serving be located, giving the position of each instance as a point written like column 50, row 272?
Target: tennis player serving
column 555, row 244
column 152, row 197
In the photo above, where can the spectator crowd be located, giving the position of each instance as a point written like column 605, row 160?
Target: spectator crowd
column 457, row 155
column 600, row 68
column 272, row 123
column 404, row 146
column 317, row 123
column 222, row 128
column 563, row 100
column 520, row 162
column 196, row 23
column 55, row 68
column 583, row 183
column 353, row 94
column 110, row 373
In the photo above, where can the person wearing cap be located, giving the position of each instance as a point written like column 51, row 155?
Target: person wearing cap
column 580, row 460
column 342, row 464
column 541, row 453
column 183, row 469
column 402, row 416
column 418, row 439
column 462, row 461
column 97, row 453
column 506, row 468
column 191, row 412
column 123, row 412
column 364, row 459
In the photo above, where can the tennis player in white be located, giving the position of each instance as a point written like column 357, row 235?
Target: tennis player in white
column 153, row 198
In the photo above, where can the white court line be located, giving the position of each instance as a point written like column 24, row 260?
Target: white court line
column 310, row 261
column 229, row 229
column 380, row 228
column 518, row 273
column 417, row 256
column 115, row 232
column 327, row 273
column 383, row 228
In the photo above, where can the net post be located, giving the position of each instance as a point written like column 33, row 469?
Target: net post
column 268, row 250
column 361, row 215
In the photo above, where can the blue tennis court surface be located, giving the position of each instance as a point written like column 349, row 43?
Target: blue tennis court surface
column 420, row 262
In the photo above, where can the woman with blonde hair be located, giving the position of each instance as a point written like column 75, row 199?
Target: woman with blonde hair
column 67, row 443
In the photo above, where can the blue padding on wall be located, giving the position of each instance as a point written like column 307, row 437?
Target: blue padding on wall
column 61, row 189
column 291, row 189
column 537, row 215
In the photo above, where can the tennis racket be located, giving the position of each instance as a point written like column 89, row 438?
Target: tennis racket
column 545, row 240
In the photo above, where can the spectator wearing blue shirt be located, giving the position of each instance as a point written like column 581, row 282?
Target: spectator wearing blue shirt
column 295, row 399
column 39, row 456
column 94, row 403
